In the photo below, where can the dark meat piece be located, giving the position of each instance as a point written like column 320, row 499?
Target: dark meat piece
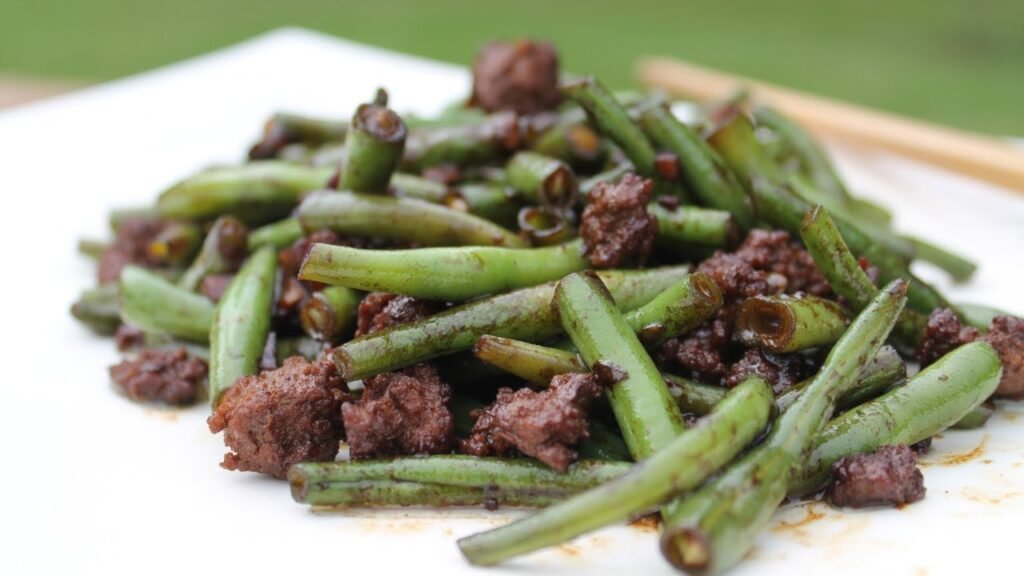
column 888, row 475
column 780, row 370
column 943, row 334
column 616, row 227
column 923, row 447
column 401, row 413
column 128, row 337
column 774, row 252
column 129, row 247
column 704, row 351
column 521, row 76
column 738, row 279
column 1006, row 335
column 213, row 287
column 282, row 417
column 540, row 424
column 169, row 376
column 766, row 263
column 379, row 310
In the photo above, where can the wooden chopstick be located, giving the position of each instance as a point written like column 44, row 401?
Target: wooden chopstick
column 957, row 150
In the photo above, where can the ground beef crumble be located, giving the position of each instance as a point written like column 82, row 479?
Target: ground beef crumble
column 540, row 424
column 616, row 228
column 401, row 413
column 944, row 333
column 379, row 310
column 766, row 263
column 282, row 417
column 888, row 475
column 521, row 76
column 156, row 375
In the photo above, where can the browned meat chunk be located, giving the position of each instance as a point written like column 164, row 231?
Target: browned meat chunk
column 282, row 417
column 521, row 76
column 169, row 376
column 703, row 351
column 888, row 475
column 942, row 334
column 540, row 424
column 401, row 413
column 129, row 247
column 616, row 228
column 128, row 337
column 379, row 310
column 766, row 263
column 1006, row 335
column 780, row 370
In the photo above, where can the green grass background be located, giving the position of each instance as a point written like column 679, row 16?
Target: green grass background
column 959, row 62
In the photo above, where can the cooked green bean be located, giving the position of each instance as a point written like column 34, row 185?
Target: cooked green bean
column 682, row 464
column 453, row 273
column 784, row 323
column 241, row 323
column 329, row 314
column 225, row 246
column 373, row 148
column 151, row 303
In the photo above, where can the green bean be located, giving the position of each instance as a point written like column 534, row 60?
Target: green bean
column 99, row 309
column 542, row 180
column 254, row 193
column 283, row 129
column 531, row 362
column 715, row 527
column 885, row 370
column 844, row 274
column 524, row 314
column 400, row 218
column 777, row 205
column 979, row 316
column 703, row 170
column 280, row 234
column 933, row 400
column 682, row 464
column 977, row 417
column 464, row 145
column 373, row 148
column 492, row 201
column 391, row 494
column 241, row 323
column 694, row 397
column 690, row 225
column 677, row 310
column 643, row 407
column 813, row 160
column 785, row 323
column 608, row 176
column 329, row 314
column 153, row 304
column 574, row 143
column 455, row 470
column 612, row 120
column 225, row 245
column 958, row 267
column 458, row 273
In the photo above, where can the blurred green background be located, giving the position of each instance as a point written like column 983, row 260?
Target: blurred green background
column 959, row 62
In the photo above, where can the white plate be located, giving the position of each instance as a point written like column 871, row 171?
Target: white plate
column 94, row 482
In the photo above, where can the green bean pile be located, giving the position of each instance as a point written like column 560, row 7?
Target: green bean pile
column 499, row 244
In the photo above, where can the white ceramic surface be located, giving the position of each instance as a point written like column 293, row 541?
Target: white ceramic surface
column 92, row 482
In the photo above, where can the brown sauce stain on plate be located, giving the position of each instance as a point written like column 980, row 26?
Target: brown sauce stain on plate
column 797, row 527
column 975, row 495
column 955, row 459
